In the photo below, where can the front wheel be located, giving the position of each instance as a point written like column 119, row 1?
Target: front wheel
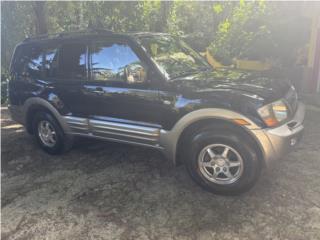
column 222, row 160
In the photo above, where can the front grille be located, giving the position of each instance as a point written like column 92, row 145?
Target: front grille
column 292, row 100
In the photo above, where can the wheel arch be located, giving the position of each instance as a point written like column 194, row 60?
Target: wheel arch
column 35, row 104
column 173, row 140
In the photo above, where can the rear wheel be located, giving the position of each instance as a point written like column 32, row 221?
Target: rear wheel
column 222, row 160
column 49, row 135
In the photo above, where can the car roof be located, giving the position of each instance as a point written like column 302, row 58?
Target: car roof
column 87, row 34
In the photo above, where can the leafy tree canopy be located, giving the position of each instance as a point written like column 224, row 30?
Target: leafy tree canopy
column 253, row 30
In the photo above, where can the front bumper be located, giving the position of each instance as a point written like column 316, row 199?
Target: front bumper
column 276, row 142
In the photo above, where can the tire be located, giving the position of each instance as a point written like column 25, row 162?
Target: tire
column 203, row 164
column 58, row 143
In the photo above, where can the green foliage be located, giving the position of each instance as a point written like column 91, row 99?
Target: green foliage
column 252, row 30
column 242, row 27
column 15, row 26
column 217, row 8
column 259, row 31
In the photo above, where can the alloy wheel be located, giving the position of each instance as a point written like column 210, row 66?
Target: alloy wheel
column 220, row 163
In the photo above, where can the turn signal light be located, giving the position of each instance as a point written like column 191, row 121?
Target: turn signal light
column 271, row 122
column 241, row 122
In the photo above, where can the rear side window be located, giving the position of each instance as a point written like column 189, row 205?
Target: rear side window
column 65, row 62
column 37, row 62
column 50, row 66
column 30, row 63
column 72, row 61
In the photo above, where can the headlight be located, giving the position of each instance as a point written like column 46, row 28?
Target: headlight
column 274, row 113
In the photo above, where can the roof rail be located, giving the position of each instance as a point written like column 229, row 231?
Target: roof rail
column 87, row 31
column 65, row 34
column 41, row 36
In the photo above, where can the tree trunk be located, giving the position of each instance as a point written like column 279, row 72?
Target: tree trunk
column 162, row 23
column 41, row 20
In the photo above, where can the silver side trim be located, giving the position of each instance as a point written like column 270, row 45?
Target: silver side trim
column 77, row 124
column 128, row 128
column 107, row 133
column 121, row 141
column 125, row 121
column 113, row 130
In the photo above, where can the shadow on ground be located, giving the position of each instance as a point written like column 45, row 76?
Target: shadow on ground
column 104, row 190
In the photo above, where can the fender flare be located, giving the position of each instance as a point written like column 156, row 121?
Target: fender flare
column 37, row 101
column 169, row 139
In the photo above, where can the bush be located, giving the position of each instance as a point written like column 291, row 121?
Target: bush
column 242, row 34
column 261, row 31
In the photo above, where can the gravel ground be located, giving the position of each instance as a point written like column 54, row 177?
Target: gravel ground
column 103, row 190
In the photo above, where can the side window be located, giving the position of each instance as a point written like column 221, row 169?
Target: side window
column 31, row 62
column 72, row 61
column 116, row 62
column 51, row 62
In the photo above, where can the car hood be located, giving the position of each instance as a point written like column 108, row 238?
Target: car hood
column 246, row 82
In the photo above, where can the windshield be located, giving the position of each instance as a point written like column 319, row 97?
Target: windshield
column 173, row 56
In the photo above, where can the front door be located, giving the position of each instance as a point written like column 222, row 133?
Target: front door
column 123, row 99
column 120, row 86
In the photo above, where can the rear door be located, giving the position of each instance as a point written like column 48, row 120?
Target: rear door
column 71, row 75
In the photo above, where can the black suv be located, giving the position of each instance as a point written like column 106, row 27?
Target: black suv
column 153, row 90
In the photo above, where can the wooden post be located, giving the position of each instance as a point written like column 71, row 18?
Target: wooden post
column 313, row 66
column 316, row 65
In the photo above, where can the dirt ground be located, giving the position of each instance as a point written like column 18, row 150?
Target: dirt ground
column 103, row 190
